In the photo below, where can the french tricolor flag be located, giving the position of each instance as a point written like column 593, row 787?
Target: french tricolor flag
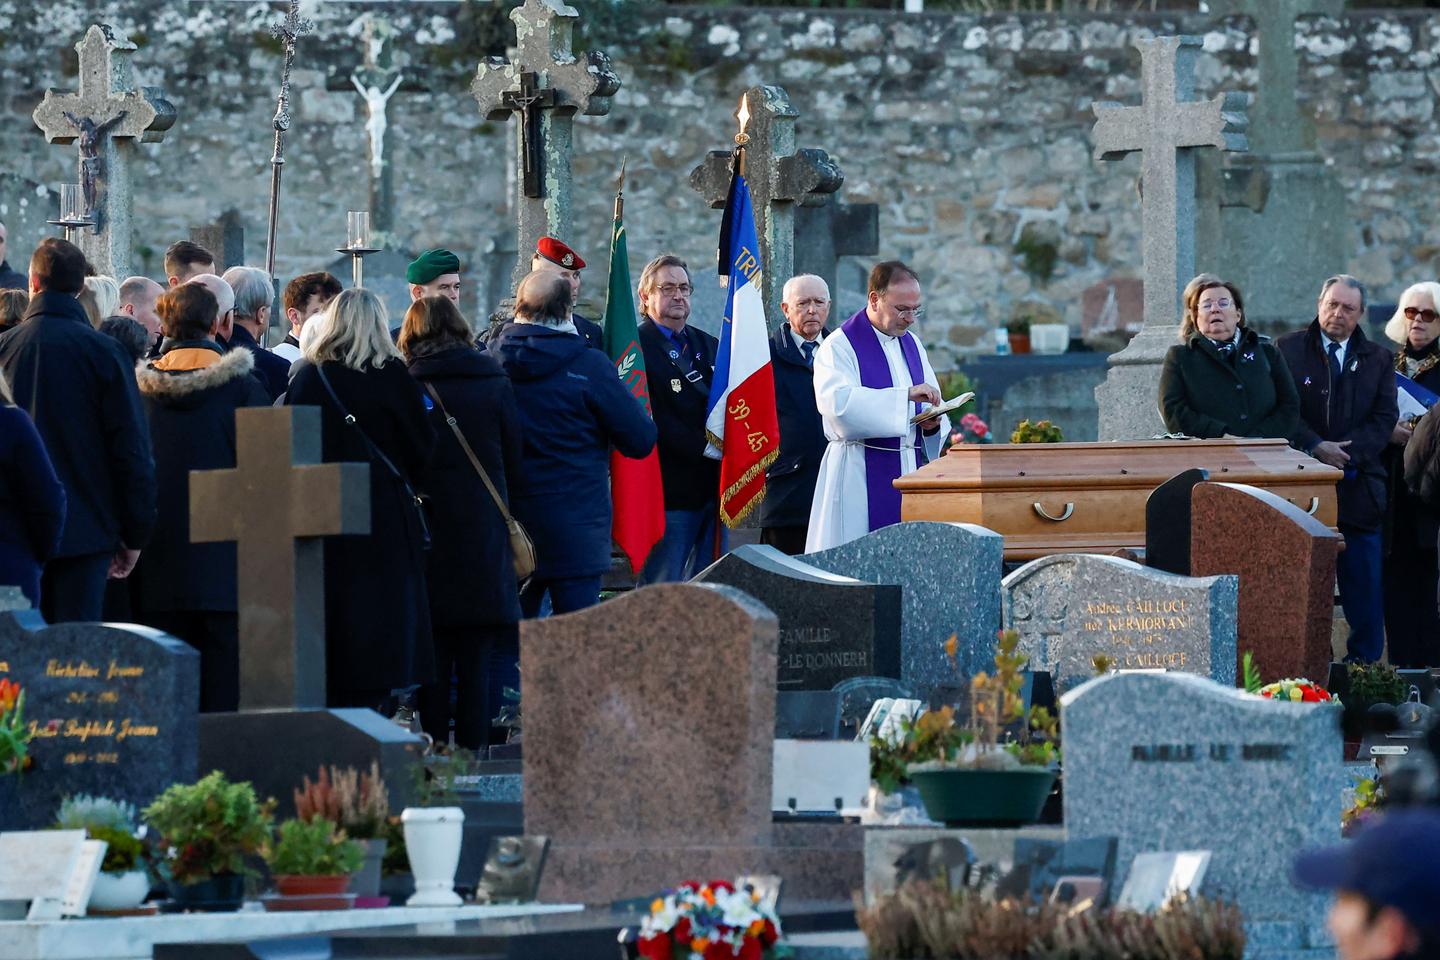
column 1412, row 398
column 741, row 424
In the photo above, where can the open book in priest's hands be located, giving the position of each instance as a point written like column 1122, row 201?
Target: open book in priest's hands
column 941, row 408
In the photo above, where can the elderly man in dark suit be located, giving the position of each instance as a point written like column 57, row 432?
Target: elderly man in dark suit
column 1347, row 412
column 680, row 363
column 790, row 481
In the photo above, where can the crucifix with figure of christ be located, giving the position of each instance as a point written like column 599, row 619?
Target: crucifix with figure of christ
column 528, row 101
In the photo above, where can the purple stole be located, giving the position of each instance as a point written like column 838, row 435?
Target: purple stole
column 882, row 454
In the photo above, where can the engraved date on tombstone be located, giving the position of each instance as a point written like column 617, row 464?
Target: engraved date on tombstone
column 1140, row 629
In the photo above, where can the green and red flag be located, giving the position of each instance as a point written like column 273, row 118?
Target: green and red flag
column 638, row 499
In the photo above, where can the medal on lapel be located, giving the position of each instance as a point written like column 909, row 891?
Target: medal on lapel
column 675, row 384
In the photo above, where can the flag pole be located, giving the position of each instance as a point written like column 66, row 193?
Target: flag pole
column 737, row 170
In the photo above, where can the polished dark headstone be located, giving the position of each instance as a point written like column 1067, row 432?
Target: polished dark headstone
column 1167, row 523
column 831, row 627
column 807, row 715
column 113, row 708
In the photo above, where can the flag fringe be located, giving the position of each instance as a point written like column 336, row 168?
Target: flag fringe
column 747, row 478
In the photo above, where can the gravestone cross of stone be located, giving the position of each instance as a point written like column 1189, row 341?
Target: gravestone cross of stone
column 280, row 556
column 225, row 238
column 831, row 231
column 107, row 115
column 780, row 178
column 1278, row 126
column 547, row 85
column 1166, row 128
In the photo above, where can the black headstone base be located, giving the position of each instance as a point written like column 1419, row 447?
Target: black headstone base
column 276, row 749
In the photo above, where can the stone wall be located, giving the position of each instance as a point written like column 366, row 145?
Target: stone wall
column 971, row 133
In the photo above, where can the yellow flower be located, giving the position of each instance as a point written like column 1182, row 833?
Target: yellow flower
column 708, row 895
column 951, row 646
column 657, row 905
column 757, row 928
column 1296, row 693
column 699, row 944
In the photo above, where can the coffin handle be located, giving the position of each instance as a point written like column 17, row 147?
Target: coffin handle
column 1314, row 505
column 1069, row 509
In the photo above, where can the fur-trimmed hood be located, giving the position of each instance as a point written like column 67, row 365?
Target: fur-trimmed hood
column 169, row 386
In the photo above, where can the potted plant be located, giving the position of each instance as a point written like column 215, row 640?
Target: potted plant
column 360, row 805
column 967, row 775
column 434, row 828
column 311, row 863
column 1041, row 431
column 1017, row 332
column 124, row 879
column 14, row 731
column 207, row 831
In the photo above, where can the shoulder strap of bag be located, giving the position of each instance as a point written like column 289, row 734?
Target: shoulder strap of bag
column 349, row 417
column 465, row 445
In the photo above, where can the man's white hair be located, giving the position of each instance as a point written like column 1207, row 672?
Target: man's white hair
column 223, row 294
column 793, row 282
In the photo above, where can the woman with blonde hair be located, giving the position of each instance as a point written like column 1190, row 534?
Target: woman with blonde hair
column 100, row 298
column 1412, row 624
column 1224, row 380
column 377, row 619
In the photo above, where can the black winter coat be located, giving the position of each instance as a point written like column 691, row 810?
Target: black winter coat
column 573, row 409
column 79, row 388
column 272, row 370
column 1204, row 393
column 12, row 279
column 32, row 503
column 1409, row 516
column 470, row 572
column 377, row 613
column 1360, row 408
column 191, row 411
column 691, row 479
column 790, row 481
column 591, row 332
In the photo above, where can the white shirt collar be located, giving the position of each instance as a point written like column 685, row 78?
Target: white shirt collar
column 801, row 341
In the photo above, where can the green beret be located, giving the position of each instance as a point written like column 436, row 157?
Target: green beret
column 431, row 264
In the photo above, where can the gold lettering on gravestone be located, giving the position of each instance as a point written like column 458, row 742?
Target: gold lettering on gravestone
column 1138, row 629
column 88, row 731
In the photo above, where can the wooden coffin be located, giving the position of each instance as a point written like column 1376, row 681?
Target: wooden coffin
column 1049, row 498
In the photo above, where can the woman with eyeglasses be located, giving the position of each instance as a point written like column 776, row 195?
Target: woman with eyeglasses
column 1412, row 624
column 1223, row 379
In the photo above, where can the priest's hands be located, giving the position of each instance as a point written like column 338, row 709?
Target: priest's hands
column 924, row 393
column 123, row 563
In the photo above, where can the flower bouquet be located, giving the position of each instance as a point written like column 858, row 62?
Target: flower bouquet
column 972, row 430
column 712, row 921
column 14, row 733
column 1297, row 691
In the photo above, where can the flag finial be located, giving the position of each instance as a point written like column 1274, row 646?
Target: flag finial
column 743, row 115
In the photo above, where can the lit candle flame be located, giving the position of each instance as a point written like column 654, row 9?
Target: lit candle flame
column 744, row 114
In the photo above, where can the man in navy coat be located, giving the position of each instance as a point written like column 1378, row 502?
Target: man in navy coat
column 790, row 481
column 1346, row 384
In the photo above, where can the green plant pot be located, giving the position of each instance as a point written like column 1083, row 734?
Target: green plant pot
column 990, row 798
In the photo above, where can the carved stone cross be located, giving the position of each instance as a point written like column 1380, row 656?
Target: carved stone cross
column 562, row 86
column 275, row 504
column 1166, row 129
column 780, row 178
column 115, row 114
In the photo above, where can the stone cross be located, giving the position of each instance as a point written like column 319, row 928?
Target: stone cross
column 117, row 115
column 1277, row 125
column 780, row 178
column 545, row 84
column 1166, row 129
column 276, row 504
column 831, row 231
column 225, row 238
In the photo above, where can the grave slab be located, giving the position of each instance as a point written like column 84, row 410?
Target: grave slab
column 1070, row 608
column 1285, row 560
column 831, row 627
column 949, row 578
column 113, row 706
column 1170, row 762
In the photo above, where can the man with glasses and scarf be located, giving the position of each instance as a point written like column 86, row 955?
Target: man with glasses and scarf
column 680, row 363
column 871, row 379
column 1348, row 411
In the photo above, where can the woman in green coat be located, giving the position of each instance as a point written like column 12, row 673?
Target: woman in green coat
column 1225, row 380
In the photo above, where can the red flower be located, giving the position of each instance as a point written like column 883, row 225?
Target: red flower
column 654, row 948
column 751, row 949
column 682, row 931
column 722, row 886
column 769, row 935
column 719, row 951
column 979, row 429
column 689, row 885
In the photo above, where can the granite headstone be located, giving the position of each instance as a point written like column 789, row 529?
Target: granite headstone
column 1167, row 522
column 949, row 577
column 1069, row 608
column 112, row 708
column 649, row 749
column 1285, row 559
column 831, row 627
column 1172, row 762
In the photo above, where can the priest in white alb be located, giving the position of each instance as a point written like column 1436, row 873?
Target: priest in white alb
column 871, row 377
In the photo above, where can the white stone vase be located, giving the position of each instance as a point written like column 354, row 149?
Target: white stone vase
column 120, row 891
column 432, row 842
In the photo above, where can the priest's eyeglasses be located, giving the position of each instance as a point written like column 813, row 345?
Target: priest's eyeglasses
column 1426, row 316
column 915, row 312
column 675, row 290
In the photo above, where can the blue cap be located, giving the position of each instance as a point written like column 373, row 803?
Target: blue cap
column 1394, row 862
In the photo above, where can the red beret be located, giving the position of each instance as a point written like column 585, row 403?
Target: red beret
column 556, row 252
